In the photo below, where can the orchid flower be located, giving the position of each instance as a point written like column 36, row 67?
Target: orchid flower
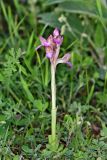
column 52, row 47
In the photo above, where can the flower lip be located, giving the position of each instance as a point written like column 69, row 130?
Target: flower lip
column 49, row 55
column 49, row 52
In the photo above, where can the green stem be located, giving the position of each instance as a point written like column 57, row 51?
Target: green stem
column 53, row 111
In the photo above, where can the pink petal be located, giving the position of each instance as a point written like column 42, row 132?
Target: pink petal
column 69, row 64
column 56, row 32
column 44, row 42
column 64, row 59
column 58, row 40
column 50, row 39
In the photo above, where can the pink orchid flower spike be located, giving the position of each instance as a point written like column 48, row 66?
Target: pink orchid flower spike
column 52, row 47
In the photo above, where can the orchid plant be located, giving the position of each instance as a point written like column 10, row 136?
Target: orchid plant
column 52, row 47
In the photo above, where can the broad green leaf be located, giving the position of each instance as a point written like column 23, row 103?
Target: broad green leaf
column 79, row 6
column 40, row 106
column 99, row 36
column 51, row 2
column 26, row 149
column 75, row 23
column 72, row 21
column 50, row 19
column 83, row 7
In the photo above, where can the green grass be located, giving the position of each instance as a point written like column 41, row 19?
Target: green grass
column 25, row 95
